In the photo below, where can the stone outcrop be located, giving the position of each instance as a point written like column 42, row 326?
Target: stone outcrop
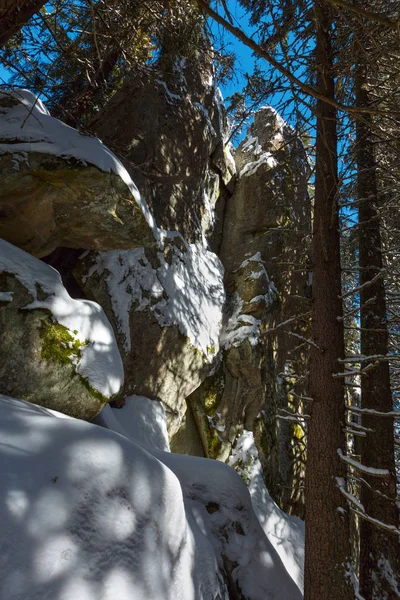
column 171, row 131
column 54, row 351
column 264, row 251
column 218, row 336
column 61, row 188
column 166, row 309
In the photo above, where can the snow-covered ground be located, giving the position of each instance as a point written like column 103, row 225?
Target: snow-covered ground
column 285, row 533
column 88, row 513
column 214, row 482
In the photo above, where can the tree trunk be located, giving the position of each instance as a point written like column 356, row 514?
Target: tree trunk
column 379, row 550
column 327, row 525
column 14, row 14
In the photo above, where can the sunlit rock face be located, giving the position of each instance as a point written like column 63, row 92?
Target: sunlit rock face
column 55, row 351
column 62, row 188
column 266, row 231
column 171, row 132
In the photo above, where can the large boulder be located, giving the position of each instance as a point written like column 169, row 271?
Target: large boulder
column 63, row 188
column 170, row 128
column 166, row 309
column 59, row 352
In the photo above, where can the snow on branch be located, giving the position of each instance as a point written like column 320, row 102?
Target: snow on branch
column 363, row 468
column 357, row 508
column 376, row 413
column 364, row 285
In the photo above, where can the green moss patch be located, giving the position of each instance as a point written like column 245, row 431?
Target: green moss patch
column 59, row 345
column 95, row 393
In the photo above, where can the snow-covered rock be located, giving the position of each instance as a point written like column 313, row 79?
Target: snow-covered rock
column 54, row 350
column 266, row 231
column 61, row 187
column 167, row 311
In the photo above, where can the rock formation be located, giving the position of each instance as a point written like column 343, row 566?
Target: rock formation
column 62, row 188
column 55, row 351
column 166, row 308
column 205, row 295
column 267, row 223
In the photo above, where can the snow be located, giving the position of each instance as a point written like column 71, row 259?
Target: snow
column 285, row 533
column 87, row 513
column 140, row 419
column 188, row 291
column 252, row 167
column 218, row 504
column 170, row 97
column 341, row 484
column 387, row 573
column 100, row 362
column 239, row 327
column 254, row 258
column 204, row 112
column 363, row 468
column 252, row 144
column 29, row 127
column 6, row 296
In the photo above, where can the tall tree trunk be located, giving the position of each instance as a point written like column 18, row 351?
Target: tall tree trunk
column 379, row 550
column 327, row 524
column 14, row 14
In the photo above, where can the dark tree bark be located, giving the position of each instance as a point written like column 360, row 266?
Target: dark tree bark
column 379, row 549
column 327, row 525
column 14, row 14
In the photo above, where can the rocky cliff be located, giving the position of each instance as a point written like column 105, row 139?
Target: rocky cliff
column 183, row 286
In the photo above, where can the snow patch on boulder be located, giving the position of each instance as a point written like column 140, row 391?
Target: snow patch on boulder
column 185, row 290
column 27, row 126
column 100, row 361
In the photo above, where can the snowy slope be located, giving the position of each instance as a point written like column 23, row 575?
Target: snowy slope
column 87, row 514
column 217, row 499
column 101, row 362
column 286, row 533
column 140, row 419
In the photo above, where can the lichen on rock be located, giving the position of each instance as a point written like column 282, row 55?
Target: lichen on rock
column 54, row 350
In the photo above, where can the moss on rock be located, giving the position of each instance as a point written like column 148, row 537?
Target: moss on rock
column 59, row 345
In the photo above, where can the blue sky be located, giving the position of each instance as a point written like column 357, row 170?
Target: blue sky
column 244, row 62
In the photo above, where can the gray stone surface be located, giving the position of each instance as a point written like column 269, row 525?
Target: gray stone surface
column 169, row 128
